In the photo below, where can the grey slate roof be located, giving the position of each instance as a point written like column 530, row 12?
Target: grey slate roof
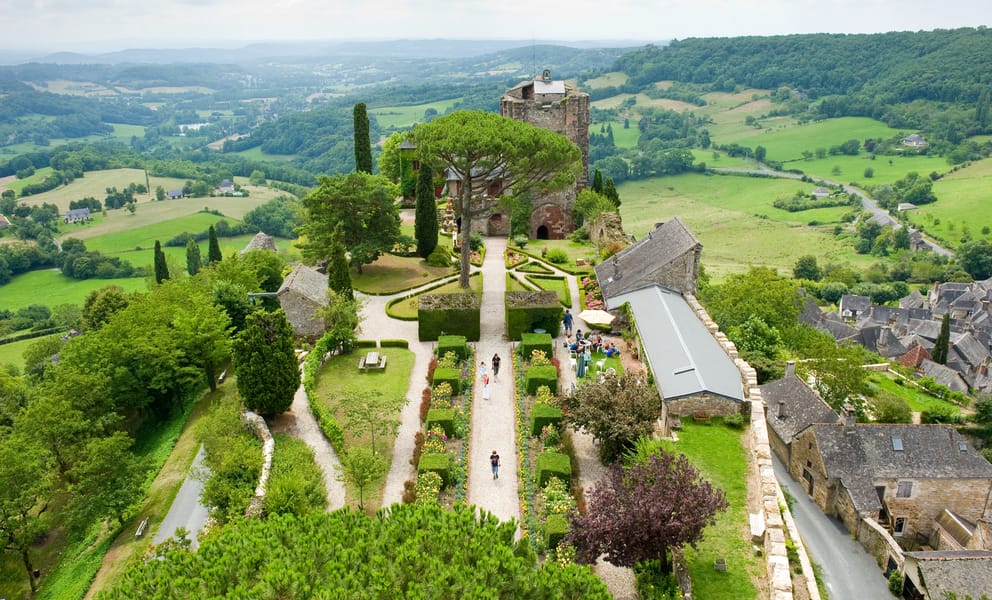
column 964, row 572
column 801, row 406
column 944, row 375
column 684, row 357
column 261, row 241
column 640, row 262
column 78, row 213
column 914, row 300
column 854, row 304
column 971, row 351
column 308, row 282
column 860, row 454
column 880, row 340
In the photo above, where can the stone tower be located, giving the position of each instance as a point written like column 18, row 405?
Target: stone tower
column 550, row 104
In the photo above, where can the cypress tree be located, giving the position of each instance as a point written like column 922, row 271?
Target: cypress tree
column 597, row 182
column 213, row 251
column 265, row 363
column 363, row 146
column 161, row 268
column 425, row 225
column 193, row 260
column 338, row 270
column 611, row 192
column 943, row 342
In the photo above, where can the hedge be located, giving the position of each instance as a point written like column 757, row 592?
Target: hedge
column 436, row 463
column 542, row 414
column 527, row 311
column 452, row 343
column 451, row 375
column 555, row 530
column 328, row 426
column 538, row 376
column 444, row 418
column 536, row 341
column 394, row 344
column 552, row 464
column 438, row 314
column 365, row 344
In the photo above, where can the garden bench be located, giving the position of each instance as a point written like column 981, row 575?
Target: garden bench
column 141, row 528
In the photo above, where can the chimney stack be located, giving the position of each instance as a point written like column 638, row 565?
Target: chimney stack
column 781, row 409
column 790, row 368
column 850, row 415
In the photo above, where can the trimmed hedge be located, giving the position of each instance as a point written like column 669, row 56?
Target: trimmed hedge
column 552, row 464
column 365, row 344
column 394, row 344
column 438, row 314
column 449, row 375
column 536, row 341
column 555, row 530
column 538, row 376
column 452, row 343
column 541, row 414
column 442, row 417
column 328, row 426
column 527, row 311
column 436, row 463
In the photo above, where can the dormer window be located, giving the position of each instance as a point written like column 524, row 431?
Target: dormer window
column 897, row 443
column 963, row 446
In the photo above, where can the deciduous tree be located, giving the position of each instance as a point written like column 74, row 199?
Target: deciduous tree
column 372, row 413
column 616, row 411
column 360, row 467
column 24, row 485
column 265, row 363
column 108, row 481
column 425, row 225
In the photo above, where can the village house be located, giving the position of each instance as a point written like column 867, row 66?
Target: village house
column 301, row 295
column 261, row 241
column 791, row 405
column 937, row 575
column 175, row 194
column 77, row 215
column 852, row 307
column 226, row 187
column 914, row 140
column 4, row 222
column 669, row 256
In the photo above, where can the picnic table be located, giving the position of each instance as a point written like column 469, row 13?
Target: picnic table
column 372, row 361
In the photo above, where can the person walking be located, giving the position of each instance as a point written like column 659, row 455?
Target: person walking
column 485, row 387
column 496, row 360
column 494, row 463
column 482, row 369
column 568, row 322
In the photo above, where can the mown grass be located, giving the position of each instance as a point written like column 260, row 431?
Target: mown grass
column 256, row 153
column 391, row 274
column 553, row 283
column 961, row 206
column 407, row 307
column 340, row 378
column 13, row 353
column 717, row 452
column 918, row 399
column 52, row 288
column 786, row 140
column 400, row 117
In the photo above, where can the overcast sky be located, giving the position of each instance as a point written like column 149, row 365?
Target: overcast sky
column 117, row 24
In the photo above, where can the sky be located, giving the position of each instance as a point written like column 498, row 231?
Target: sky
column 103, row 25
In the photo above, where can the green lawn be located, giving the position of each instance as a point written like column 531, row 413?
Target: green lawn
column 585, row 250
column 407, row 307
column 962, row 205
column 918, row 399
column 402, row 117
column 391, row 274
column 257, row 154
column 52, row 288
column 718, row 454
column 13, row 353
column 553, row 283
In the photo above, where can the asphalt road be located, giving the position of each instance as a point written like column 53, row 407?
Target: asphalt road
column 186, row 510
column 848, row 570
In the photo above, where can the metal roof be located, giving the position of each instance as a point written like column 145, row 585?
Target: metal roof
column 684, row 357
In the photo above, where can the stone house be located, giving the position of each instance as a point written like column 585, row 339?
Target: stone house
column 853, row 307
column 820, row 193
column 902, row 476
column 301, row 294
column 668, row 256
column 77, row 215
column 791, row 405
column 937, row 575
column 226, row 186
column 914, row 140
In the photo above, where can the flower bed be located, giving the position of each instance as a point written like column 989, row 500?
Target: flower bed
column 593, row 295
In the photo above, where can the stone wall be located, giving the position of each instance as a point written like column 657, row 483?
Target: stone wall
column 555, row 217
column 300, row 312
column 606, row 229
column 877, row 541
column 709, row 404
column 261, row 430
column 964, row 497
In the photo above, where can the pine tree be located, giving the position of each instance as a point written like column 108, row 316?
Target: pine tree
column 161, row 268
column 611, row 192
column 425, row 226
column 982, row 109
column 338, row 270
column 265, row 363
column 193, row 260
column 363, row 146
column 213, row 251
column 597, row 181
column 943, row 342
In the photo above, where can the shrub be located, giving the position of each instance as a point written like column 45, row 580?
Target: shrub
column 529, row 342
column 439, row 257
column 550, row 437
column 734, row 421
column 541, row 376
column 452, row 377
column 428, row 487
column 555, row 530
column 541, row 416
column 526, row 311
column 452, row 343
column 409, row 491
column 394, row 343
column 418, row 448
column 435, row 463
column 440, row 314
column 443, row 418
column 556, row 498
column 425, row 403
column 365, row 343
column 539, row 358
column 941, row 414
column 441, row 395
column 556, row 256
column 895, row 583
column 328, row 426
column 436, row 441
column 448, row 361
column 520, row 240
column 552, row 464
column 545, row 396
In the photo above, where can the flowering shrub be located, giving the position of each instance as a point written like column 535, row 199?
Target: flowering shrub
column 539, row 358
column 448, row 361
column 564, row 554
column 550, row 437
column 461, row 423
column 557, row 498
column 428, row 487
column 545, row 396
column 437, row 441
column 441, row 395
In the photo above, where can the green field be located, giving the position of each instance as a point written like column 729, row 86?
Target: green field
column 144, row 237
column 723, row 213
column 52, row 288
column 402, row 117
column 963, row 204
column 257, row 154
column 623, row 138
column 18, row 184
column 614, row 78
column 786, row 140
column 13, row 353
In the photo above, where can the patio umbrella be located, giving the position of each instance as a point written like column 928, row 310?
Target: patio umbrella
column 596, row 317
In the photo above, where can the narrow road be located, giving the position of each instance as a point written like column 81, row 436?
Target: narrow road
column 848, row 570
column 186, row 510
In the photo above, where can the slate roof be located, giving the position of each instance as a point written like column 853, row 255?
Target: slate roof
column 801, row 406
column 971, row 351
column 684, row 357
column 308, row 282
column 943, row 375
column 880, row 340
column 860, row 454
column 914, row 300
column 962, row 572
column 886, row 315
column 855, row 304
column 261, row 241
column 78, row 213
column 640, row 263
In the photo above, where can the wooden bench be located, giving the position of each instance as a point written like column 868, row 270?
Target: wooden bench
column 372, row 361
column 141, row 528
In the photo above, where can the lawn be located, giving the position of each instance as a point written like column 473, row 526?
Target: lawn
column 622, row 138
column 402, row 117
column 575, row 250
column 918, row 399
column 13, row 353
column 553, row 283
column 340, row 378
column 52, row 288
column 962, row 205
column 718, row 454
column 406, row 308
column 391, row 274
column 734, row 219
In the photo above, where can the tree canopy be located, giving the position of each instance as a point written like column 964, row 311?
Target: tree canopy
column 616, row 411
column 265, row 363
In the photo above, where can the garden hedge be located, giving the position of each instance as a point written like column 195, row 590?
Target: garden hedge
column 536, row 341
column 527, row 311
column 451, row 375
column 436, row 463
column 538, row 376
column 555, row 530
column 541, row 415
column 452, row 343
column 365, row 344
column 394, row 344
column 438, row 314
column 442, row 417
column 552, row 464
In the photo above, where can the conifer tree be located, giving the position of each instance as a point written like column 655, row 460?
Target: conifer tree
column 363, row 146
column 943, row 342
column 193, row 260
column 611, row 192
column 338, row 270
column 265, row 363
column 597, row 182
column 425, row 225
column 161, row 268
column 213, row 251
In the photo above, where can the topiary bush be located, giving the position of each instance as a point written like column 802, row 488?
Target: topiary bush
column 536, row 377
column 452, row 343
column 555, row 530
column 527, row 311
column 452, row 377
column 536, row 341
column 443, row 418
column 439, row 257
column 436, row 463
column 438, row 314
column 542, row 415
column 552, row 464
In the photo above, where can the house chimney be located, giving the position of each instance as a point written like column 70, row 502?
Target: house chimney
column 790, row 368
column 616, row 268
column 850, row 415
column 781, row 409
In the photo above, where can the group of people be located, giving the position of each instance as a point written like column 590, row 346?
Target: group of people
column 483, row 371
column 591, row 344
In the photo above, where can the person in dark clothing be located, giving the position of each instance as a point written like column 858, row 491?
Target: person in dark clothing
column 496, row 361
column 494, row 463
column 568, row 322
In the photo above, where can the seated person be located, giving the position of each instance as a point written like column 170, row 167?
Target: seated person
column 574, row 346
column 613, row 351
column 578, row 335
column 597, row 342
column 605, row 348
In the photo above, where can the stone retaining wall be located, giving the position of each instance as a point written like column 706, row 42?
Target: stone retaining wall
column 261, row 430
column 879, row 543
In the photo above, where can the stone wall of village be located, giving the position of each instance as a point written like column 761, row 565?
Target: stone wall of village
column 681, row 274
column 879, row 543
column 261, row 430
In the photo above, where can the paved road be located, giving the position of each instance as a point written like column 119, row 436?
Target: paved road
column 848, row 570
column 186, row 510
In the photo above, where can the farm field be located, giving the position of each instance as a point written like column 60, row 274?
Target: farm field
column 719, row 210
column 144, row 237
column 51, row 288
column 257, row 154
column 963, row 201
column 786, row 140
column 614, row 78
column 851, row 169
column 623, row 138
column 399, row 117
column 13, row 353
column 18, row 184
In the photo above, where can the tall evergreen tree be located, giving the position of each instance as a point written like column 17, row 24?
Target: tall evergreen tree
column 338, row 270
column 265, row 363
column 425, row 226
column 610, row 191
column 363, row 146
column 597, row 182
column 943, row 342
column 213, row 250
column 193, row 260
column 982, row 109
column 161, row 268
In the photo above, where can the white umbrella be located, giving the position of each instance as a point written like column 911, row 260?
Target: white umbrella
column 596, row 317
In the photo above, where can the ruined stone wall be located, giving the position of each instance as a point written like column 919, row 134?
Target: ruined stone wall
column 554, row 214
column 877, row 541
column 261, row 431
column 606, row 229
